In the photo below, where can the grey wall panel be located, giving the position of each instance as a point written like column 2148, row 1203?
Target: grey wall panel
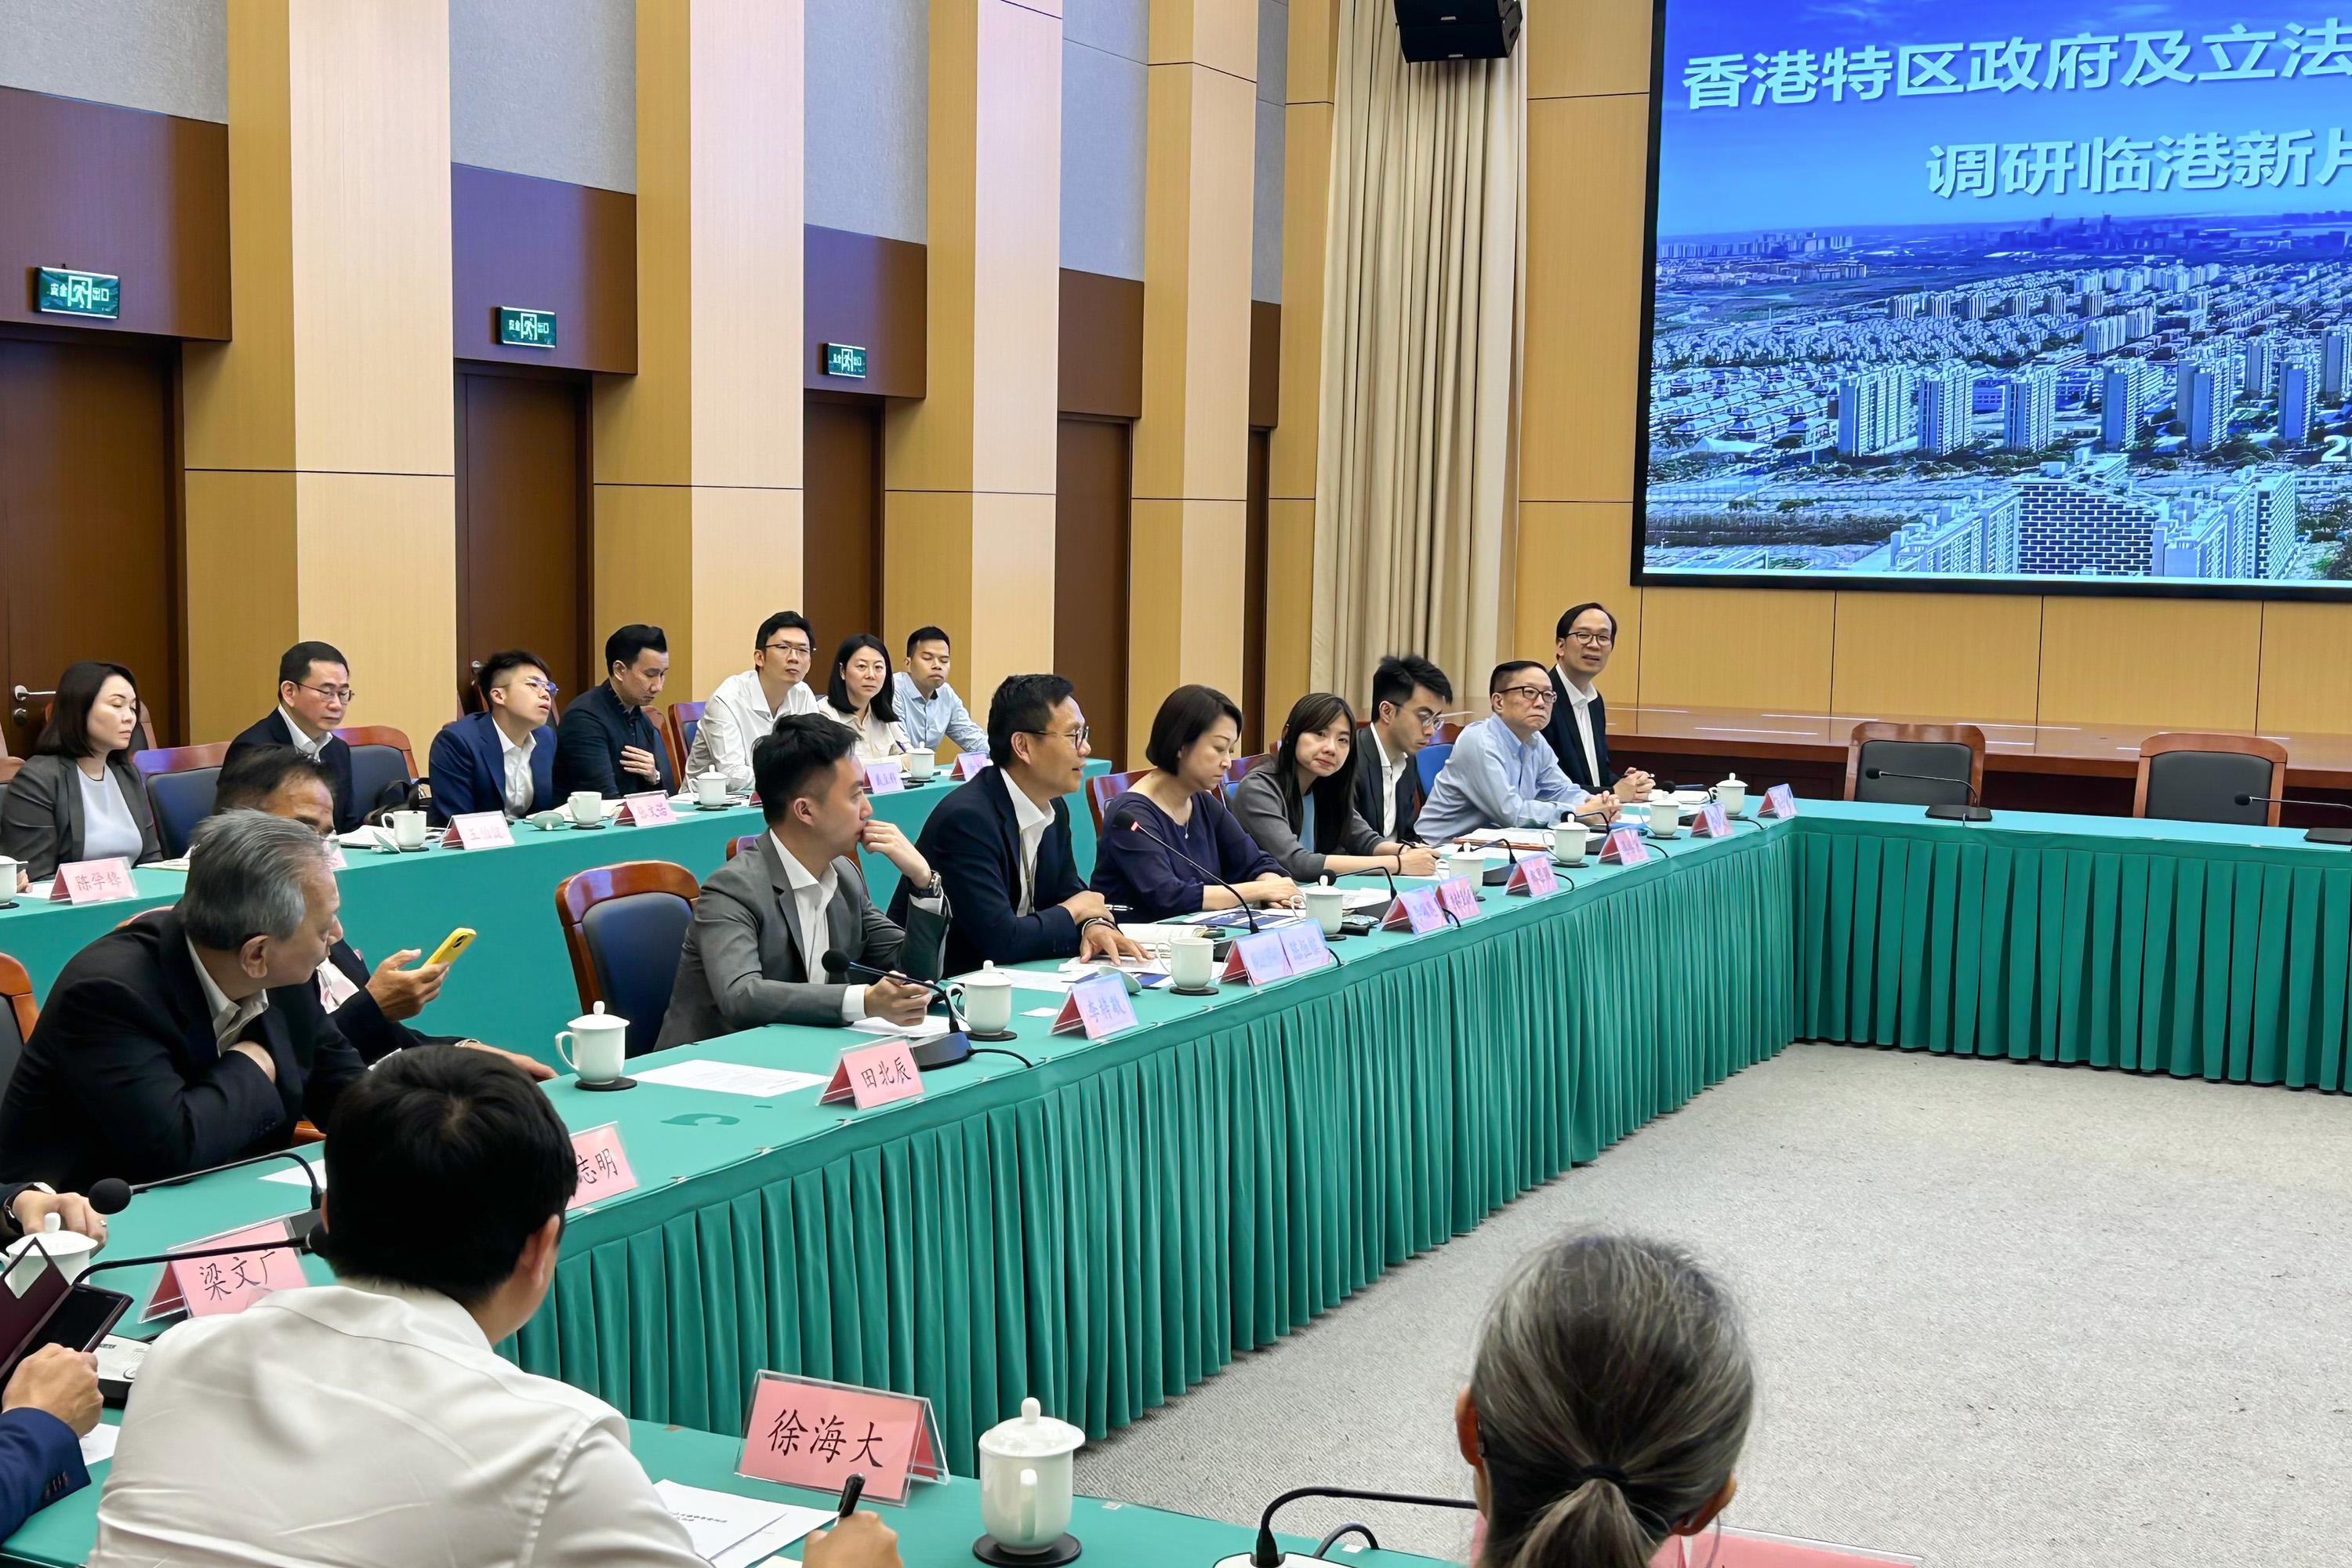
column 869, row 86
column 168, row 56
column 1121, row 27
column 1103, row 102
column 1272, row 75
column 1273, row 50
column 546, row 88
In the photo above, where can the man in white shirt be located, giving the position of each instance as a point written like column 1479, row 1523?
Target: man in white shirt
column 369, row 1422
column 746, row 706
column 502, row 758
column 929, row 709
column 1578, row 731
column 1408, row 695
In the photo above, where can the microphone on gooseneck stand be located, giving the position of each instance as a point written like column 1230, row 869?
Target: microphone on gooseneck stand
column 1268, row 1554
column 947, row 1049
column 1971, row 812
column 1135, row 824
column 304, row 1246
column 2311, row 835
column 112, row 1195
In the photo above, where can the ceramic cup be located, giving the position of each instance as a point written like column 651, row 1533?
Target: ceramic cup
column 711, row 789
column 585, row 806
column 597, row 1043
column 407, row 828
column 1329, row 905
column 921, row 765
column 1568, row 843
column 1192, row 959
column 985, row 998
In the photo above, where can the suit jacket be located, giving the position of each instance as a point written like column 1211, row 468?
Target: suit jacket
column 468, row 768
column 40, row 814
column 363, row 1023
column 973, row 843
column 1272, row 812
column 335, row 757
column 121, row 1077
column 741, row 964
column 40, row 1461
column 1409, row 792
column 1592, row 776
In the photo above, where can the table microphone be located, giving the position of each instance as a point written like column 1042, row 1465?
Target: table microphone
column 112, row 1195
column 946, row 1051
column 1267, row 1554
column 305, row 1244
column 1135, row 824
column 2312, row 836
column 1971, row 812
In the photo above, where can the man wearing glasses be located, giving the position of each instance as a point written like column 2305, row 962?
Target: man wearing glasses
column 1002, row 842
column 746, row 705
column 503, row 758
column 1408, row 696
column 314, row 693
column 1578, row 731
column 1501, row 773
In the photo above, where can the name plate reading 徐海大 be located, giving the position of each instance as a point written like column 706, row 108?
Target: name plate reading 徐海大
column 62, row 291
column 845, row 358
column 521, row 329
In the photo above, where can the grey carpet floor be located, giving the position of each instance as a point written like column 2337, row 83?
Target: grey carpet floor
column 2005, row 1314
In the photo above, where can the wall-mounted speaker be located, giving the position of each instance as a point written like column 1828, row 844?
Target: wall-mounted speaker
column 1457, row 29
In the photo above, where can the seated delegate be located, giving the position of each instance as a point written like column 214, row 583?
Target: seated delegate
column 78, row 797
column 1300, row 808
column 754, row 951
column 370, row 1421
column 1579, row 732
column 1169, row 846
column 1609, row 1399
column 859, row 696
column 50, row 1403
column 314, row 696
column 1408, row 695
column 607, row 741
column 1501, row 773
column 192, row 1036
column 503, row 758
column 928, row 708
column 369, row 1008
column 747, row 704
column 1001, row 842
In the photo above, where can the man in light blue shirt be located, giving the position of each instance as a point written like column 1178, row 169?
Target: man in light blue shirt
column 1502, row 772
column 929, row 709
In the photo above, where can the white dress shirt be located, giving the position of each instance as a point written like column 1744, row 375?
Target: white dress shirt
column 360, row 1423
column 1033, row 820
column 878, row 741
column 108, row 828
column 1580, row 702
column 1392, row 775
column 733, row 720
column 302, row 743
column 811, row 895
column 230, row 1018
column 516, row 755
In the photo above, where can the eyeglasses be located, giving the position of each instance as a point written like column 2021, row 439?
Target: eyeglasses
column 1532, row 693
column 1077, row 737
column 1593, row 639
column 343, row 694
column 546, row 687
column 796, row 649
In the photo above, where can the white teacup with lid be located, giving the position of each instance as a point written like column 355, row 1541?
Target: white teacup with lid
column 1026, row 1485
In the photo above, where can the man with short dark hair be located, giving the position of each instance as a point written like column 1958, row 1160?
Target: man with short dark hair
column 747, row 705
column 1002, row 840
column 371, row 1421
column 314, row 695
column 193, row 1035
column 929, row 709
column 503, row 758
column 1408, row 694
column 754, row 953
column 607, row 741
column 1500, row 772
column 1578, row 731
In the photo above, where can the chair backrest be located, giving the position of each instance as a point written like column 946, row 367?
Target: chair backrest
column 2189, row 777
column 16, row 1015
column 180, row 783
column 741, row 843
column 1449, row 731
column 685, row 718
column 1430, row 762
column 1102, row 790
column 1240, row 768
column 380, row 758
column 623, row 926
column 1943, row 753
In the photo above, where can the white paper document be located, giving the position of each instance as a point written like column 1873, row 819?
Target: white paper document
column 292, row 1177
column 732, row 1531
column 99, row 1443
column 1034, row 980
column 922, row 1030
column 1365, row 898
column 732, row 1077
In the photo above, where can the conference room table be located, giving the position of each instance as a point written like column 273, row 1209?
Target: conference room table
column 513, row 986
column 936, row 1526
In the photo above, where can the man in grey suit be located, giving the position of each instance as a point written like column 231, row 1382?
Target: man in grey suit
column 754, row 951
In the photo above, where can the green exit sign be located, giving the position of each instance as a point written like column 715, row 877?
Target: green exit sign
column 521, row 329
column 845, row 358
column 65, row 292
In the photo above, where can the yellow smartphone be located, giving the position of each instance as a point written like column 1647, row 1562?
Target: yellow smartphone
column 456, row 942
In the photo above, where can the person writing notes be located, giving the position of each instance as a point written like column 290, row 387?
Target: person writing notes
column 1301, row 808
column 314, row 697
column 1168, row 845
column 76, row 797
column 754, row 951
column 50, row 1403
column 607, row 741
column 1578, row 731
column 1408, row 694
column 929, row 709
column 747, row 705
column 503, row 758
column 1002, row 842
column 1501, row 773
column 859, row 696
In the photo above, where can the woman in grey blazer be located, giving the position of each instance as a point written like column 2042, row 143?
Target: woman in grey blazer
column 78, row 797
column 1301, row 807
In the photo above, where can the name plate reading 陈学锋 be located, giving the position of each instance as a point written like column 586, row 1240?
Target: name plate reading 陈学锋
column 525, row 329
column 62, row 291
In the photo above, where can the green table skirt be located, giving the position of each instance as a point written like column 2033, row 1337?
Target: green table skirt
column 1110, row 1228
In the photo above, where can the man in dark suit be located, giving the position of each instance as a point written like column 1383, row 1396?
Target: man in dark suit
column 754, row 953
column 607, row 741
column 1578, row 731
column 190, row 1036
column 1001, row 841
column 1409, row 693
column 50, row 1403
column 503, row 758
column 314, row 692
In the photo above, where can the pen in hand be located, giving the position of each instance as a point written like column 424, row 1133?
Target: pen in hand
column 850, row 1492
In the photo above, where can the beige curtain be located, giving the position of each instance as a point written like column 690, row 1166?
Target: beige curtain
column 1416, row 466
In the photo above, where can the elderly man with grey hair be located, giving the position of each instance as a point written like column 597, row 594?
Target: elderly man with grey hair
column 192, row 1036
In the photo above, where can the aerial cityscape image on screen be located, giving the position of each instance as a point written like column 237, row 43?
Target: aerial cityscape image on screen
column 1962, row 293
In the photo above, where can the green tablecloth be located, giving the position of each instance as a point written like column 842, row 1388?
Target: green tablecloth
column 514, row 987
column 1111, row 1226
column 937, row 1527
column 2171, row 947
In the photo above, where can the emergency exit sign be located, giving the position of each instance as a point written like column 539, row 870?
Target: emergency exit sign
column 521, row 329
column 845, row 358
column 62, row 291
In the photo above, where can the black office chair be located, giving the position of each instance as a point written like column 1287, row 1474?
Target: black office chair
column 2186, row 777
column 180, row 801
column 624, row 925
column 1943, row 754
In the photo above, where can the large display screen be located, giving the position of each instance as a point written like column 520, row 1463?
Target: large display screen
column 2005, row 293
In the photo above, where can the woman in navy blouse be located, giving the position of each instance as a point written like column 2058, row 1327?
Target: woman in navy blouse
column 1180, row 806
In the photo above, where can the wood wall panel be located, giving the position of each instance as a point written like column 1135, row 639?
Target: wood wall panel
column 524, row 545
column 1937, row 656
column 2306, row 677
column 106, row 189
column 2184, row 664
column 1584, row 48
column 841, row 551
column 864, row 290
column 544, row 245
column 389, row 601
column 1742, row 648
column 1570, row 551
column 1265, row 365
column 238, row 567
column 1101, row 351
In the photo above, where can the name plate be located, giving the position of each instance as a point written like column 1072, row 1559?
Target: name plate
column 1710, row 822
column 92, row 882
column 1624, row 848
column 884, row 778
column 969, row 764
column 1101, row 1006
column 1415, row 910
column 1779, row 801
column 213, row 1287
column 868, row 1075
column 1533, row 876
column 478, row 830
column 807, row 1432
column 1460, row 896
column 603, row 1164
column 646, row 810
column 1257, row 959
column 1305, row 947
